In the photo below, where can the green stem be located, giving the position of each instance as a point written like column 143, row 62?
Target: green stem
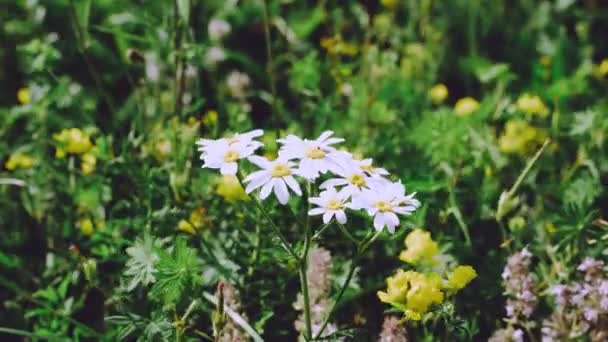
column 303, row 265
column 347, row 234
column 274, row 227
column 458, row 215
column 525, row 172
column 361, row 248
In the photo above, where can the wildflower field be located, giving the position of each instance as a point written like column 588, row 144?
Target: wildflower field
column 281, row 170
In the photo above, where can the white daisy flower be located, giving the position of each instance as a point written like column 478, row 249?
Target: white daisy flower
column 384, row 202
column 224, row 153
column 224, row 156
column 316, row 156
column 366, row 166
column 239, row 138
column 331, row 204
column 275, row 176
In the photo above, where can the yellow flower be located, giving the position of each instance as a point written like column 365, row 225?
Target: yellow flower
column 195, row 222
column 231, row 189
column 86, row 226
column 419, row 247
column 23, row 96
column 602, row 68
column 185, row 226
column 390, row 4
column 59, row 153
column 439, row 93
column 466, row 106
column 197, row 217
column 532, row 105
column 519, row 137
column 87, row 163
column 210, row 119
column 461, row 276
column 550, row 228
column 74, row 140
column 19, row 161
column 412, row 292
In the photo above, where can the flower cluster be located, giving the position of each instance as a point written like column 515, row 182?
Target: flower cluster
column 19, row 161
column 414, row 292
column 581, row 307
column 76, row 141
column 532, row 105
column 519, row 137
column 349, row 183
column 392, row 330
column 519, row 286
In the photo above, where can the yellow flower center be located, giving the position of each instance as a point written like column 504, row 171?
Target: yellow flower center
column 357, row 180
column 383, row 206
column 333, row 204
column 231, row 156
column 280, row 170
column 315, row 153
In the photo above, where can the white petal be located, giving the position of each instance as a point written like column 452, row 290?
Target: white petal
column 258, row 181
column 324, row 136
column 379, row 221
column 327, row 216
column 228, row 168
column 316, row 211
column 341, row 216
column 280, row 190
column 333, row 182
column 266, row 189
column 293, row 184
column 259, row 161
column 391, row 219
column 253, row 175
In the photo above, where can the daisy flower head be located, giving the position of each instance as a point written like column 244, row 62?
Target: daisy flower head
column 316, row 156
column 276, row 176
column 366, row 166
column 205, row 145
column 223, row 154
column 383, row 202
column 331, row 203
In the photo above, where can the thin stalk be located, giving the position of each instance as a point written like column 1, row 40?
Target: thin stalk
column 361, row 248
column 303, row 265
column 525, row 172
column 274, row 227
column 347, row 234
column 270, row 63
column 458, row 215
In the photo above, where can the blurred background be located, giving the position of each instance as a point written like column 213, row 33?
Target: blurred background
column 101, row 103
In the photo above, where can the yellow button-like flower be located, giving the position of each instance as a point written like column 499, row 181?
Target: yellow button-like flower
column 23, row 96
column 87, row 163
column 19, row 161
column 186, row 227
column 161, row 149
column 466, row 106
column 412, row 292
column 419, row 247
column 390, row 4
column 86, row 226
column 231, row 189
column 519, row 137
column 210, row 118
column 197, row 217
column 602, row 69
column 73, row 140
column 461, row 276
column 439, row 93
column 396, row 288
column 532, row 105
